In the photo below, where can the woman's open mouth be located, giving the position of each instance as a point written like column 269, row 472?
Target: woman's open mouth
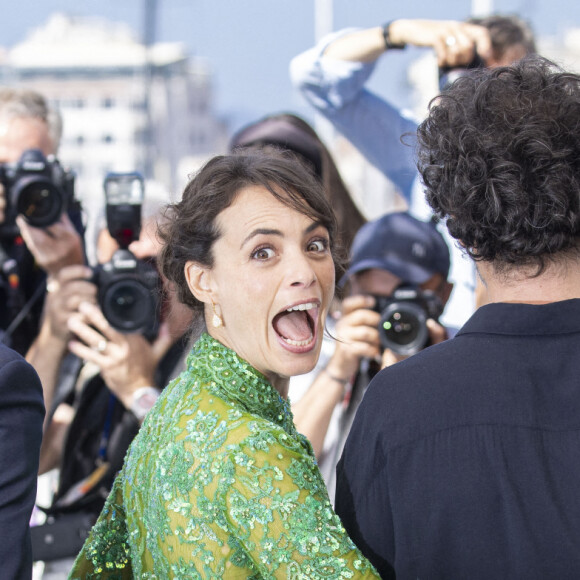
column 296, row 326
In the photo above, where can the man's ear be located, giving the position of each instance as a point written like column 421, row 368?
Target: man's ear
column 198, row 279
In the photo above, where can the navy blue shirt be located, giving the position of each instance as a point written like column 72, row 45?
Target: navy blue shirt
column 464, row 460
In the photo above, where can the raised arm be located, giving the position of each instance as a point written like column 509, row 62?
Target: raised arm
column 332, row 77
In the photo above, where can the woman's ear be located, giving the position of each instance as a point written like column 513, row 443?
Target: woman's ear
column 198, row 279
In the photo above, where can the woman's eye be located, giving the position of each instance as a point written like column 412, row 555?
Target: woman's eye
column 318, row 245
column 263, row 253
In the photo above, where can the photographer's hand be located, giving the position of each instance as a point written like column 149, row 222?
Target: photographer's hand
column 357, row 334
column 54, row 247
column 66, row 291
column 127, row 361
column 437, row 334
column 454, row 42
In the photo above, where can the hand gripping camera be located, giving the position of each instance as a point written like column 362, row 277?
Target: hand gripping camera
column 36, row 187
column 128, row 288
column 404, row 314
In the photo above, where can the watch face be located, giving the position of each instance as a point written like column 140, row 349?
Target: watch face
column 143, row 401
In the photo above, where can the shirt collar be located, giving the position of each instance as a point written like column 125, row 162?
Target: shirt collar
column 530, row 319
column 234, row 379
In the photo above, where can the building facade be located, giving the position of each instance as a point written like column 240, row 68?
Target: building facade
column 125, row 106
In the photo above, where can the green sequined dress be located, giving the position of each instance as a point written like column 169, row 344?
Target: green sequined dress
column 219, row 484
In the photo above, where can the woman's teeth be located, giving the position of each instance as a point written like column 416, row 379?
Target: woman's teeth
column 306, row 306
column 298, row 342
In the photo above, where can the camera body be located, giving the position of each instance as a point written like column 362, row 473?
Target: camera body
column 403, row 325
column 36, row 187
column 128, row 288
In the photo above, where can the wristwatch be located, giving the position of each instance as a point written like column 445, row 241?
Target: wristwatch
column 143, row 400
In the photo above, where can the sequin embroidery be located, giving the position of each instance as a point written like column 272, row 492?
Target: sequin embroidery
column 219, row 484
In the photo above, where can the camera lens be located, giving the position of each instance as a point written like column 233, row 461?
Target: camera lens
column 127, row 305
column 403, row 328
column 38, row 200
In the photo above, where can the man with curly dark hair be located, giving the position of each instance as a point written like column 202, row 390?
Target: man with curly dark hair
column 472, row 467
column 334, row 78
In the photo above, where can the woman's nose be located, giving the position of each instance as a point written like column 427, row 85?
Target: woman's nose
column 302, row 273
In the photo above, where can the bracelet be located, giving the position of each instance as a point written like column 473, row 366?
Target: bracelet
column 343, row 382
column 387, row 38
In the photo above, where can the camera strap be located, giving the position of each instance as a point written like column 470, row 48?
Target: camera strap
column 18, row 309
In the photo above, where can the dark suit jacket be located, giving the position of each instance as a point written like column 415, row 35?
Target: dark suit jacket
column 21, row 417
column 463, row 462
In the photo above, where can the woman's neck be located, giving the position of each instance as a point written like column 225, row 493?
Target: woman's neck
column 280, row 384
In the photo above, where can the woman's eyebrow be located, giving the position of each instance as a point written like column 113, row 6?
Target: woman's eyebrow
column 260, row 231
column 313, row 226
column 271, row 232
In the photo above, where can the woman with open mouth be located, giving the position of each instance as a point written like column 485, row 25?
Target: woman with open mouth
column 218, row 483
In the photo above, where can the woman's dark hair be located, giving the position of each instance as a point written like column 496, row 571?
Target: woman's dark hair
column 189, row 229
column 288, row 131
column 500, row 159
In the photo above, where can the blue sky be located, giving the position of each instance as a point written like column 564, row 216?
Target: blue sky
column 249, row 43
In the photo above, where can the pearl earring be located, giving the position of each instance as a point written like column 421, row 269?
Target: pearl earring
column 216, row 320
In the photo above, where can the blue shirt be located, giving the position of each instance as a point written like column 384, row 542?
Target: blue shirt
column 336, row 88
column 464, row 460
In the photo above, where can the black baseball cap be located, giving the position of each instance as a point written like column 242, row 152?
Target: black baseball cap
column 404, row 246
column 280, row 132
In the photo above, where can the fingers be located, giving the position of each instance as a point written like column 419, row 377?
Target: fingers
column 353, row 303
column 357, row 332
column 389, row 358
column 54, row 247
column 70, row 287
column 480, row 35
column 454, row 46
column 437, row 333
column 95, row 339
column 360, row 342
column 163, row 342
column 69, row 274
column 91, row 326
column 455, row 43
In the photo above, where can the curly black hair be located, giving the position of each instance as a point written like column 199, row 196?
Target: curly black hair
column 499, row 155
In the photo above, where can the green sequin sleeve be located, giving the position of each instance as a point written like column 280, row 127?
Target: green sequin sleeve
column 279, row 511
column 218, row 484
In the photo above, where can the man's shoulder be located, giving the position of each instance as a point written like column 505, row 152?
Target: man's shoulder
column 437, row 361
column 418, row 395
column 8, row 355
column 14, row 367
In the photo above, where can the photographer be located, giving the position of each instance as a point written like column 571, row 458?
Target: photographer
column 332, row 77
column 390, row 253
column 29, row 128
column 91, row 430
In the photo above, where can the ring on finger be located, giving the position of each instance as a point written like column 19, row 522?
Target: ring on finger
column 451, row 40
column 101, row 345
column 52, row 286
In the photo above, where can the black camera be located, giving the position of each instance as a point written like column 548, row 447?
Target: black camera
column 36, row 187
column 403, row 325
column 129, row 288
